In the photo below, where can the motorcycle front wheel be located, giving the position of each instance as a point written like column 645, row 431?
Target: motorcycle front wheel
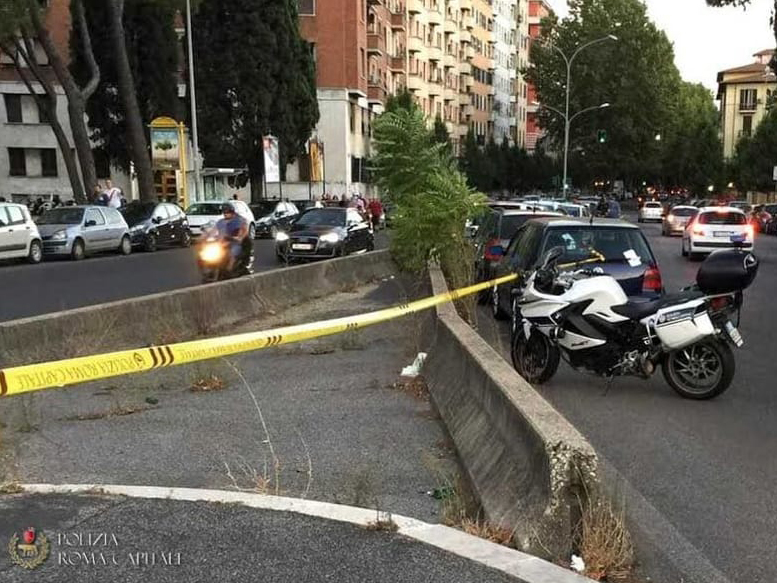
column 701, row 371
column 535, row 359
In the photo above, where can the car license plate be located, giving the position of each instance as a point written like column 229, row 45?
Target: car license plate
column 302, row 247
column 737, row 237
column 721, row 234
column 734, row 334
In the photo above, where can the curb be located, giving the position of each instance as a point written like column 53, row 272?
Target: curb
column 526, row 568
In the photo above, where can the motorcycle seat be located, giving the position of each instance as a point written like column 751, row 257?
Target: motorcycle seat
column 637, row 310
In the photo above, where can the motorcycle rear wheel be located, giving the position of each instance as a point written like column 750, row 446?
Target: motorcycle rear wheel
column 535, row 359
column 701, row 371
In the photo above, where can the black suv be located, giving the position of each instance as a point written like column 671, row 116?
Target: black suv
column 628, row 257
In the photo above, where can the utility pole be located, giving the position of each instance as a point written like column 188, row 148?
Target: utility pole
column 193, row 102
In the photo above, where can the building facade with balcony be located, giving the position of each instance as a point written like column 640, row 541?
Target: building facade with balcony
column 538, row 10
column 504, row 36
column 354, row 43
column 482, row 63
column 745, row 93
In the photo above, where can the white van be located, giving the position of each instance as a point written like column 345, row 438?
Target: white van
column 19, row 237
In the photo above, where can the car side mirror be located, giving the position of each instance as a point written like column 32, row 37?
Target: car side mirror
column 156, row 220
column 90, row 224
column 553, row 255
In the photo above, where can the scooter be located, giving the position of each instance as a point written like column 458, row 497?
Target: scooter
column 213, row 258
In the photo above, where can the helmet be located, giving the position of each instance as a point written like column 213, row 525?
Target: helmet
column 228, row 207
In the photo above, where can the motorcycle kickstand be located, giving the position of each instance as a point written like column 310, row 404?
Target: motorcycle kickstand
column 608, row 385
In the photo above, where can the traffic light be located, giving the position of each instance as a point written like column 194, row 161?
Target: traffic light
column 602, row 136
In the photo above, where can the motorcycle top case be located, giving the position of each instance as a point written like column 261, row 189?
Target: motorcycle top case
column 727, row 271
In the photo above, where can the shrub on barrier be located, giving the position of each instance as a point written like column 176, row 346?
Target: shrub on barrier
column 431, row 198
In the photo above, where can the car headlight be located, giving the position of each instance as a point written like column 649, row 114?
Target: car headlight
column 281, row 237
column 330, row 238
column 137, row 229
column 59, row 236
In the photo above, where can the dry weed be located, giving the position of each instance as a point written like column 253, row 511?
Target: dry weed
column 116, row 411
column 605, row 542
column 207, row 384
column 384, row 523
column 485, row 530
column 11, row 488
column 415, row 387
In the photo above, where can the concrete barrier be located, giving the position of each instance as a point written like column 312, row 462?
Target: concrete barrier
column 526, row 462
column 182, row 314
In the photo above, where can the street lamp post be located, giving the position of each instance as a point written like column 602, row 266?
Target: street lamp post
column 193, row 100
column 567, row 119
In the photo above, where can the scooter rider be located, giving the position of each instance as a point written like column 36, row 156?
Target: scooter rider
column 234, row 229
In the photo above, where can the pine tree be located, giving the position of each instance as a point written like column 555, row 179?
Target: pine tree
column 255, row 76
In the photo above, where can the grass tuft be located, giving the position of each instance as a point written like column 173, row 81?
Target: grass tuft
column 208, row 384
column 605, row 543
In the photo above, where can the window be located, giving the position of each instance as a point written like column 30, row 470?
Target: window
column 748, row 99
column 48, row 162
column 17, row 162
column 13, row 108
column 173, row 211
column 3, row 217
column 96, row 216
column 160, row 212
column 717, row 218
column 747, row 125
column 43, row 115
column 114, row 216
column 15, row 215
column 307, row 7
column 353, row 217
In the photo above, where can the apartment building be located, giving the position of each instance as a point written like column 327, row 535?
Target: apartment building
column 538, row 10
column 745, row 93
column 504, row 35
column 482, row 91
column 521, row 41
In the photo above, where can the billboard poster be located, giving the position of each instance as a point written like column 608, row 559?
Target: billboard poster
column 316, row 161
column 272, row 166
column 165, row 148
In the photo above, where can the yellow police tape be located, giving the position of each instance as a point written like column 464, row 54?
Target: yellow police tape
column 49, row 375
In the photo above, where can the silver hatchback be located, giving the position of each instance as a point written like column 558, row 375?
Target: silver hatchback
column 76, row 231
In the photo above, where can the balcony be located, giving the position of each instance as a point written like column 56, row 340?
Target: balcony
column 468, row 110
column 434, row 53
column 469, row 81
column 465, row 68
column 748, row 106
column 434, row 18
column 513, row 74
column 376, row 93
column 450, row 61
column 376, row 44
column 513, row 99
column 513, row 121
column 415, row 44
column 493, row 116
column 415, row 6
column 468, row 23
column 465, row 36
column 415, row 83
column 397, row 64
column 465, row 99
column 469, row 52
column 465, row 5
column 491, row 90
column 434, row 89
column 450, row 94
column 398, row 21
column 451, row 26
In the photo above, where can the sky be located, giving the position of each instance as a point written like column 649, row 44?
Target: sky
column 707, row 40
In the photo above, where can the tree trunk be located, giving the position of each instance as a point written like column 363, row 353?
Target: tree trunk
column 48, row 103
column 76, row 102
column 136, row 132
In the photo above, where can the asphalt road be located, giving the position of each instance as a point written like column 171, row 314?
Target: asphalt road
column 54, row 285
column 708, row 468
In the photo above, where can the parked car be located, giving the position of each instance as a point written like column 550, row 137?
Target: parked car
column 497, row 229
column 321, row 233
column 19, row 236
column 77, row 231
column 742, row 205
column 201, row 214
column 574, row 210
column 273, row 216
column 650, row 211
column 771, row 225
column 717, row 228
column 154, row 224
column 627, row 255
column 674, row 220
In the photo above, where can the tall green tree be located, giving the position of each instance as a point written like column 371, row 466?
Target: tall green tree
column 153, row 52
column 636, row 75
column 255, row 76
column 755, row 157
column 440, row 135
column 694, row 153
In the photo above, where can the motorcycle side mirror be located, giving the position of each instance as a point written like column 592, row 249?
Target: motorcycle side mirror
column 553, row 255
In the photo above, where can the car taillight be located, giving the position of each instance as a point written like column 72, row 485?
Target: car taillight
column 493, row 250
column 652, row 281
column 749, row 232
column 698, row 231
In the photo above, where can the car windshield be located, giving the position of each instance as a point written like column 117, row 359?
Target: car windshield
column 261, row 209
column 653, row 205
column 684, row 212
column 616, row 245
column 324, row 217
column 722, row 219
column 62, row 216
column 202, row 209
column 135, row 212
column 511, row 223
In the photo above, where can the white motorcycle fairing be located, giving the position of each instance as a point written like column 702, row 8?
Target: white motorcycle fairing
column 540, row 309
